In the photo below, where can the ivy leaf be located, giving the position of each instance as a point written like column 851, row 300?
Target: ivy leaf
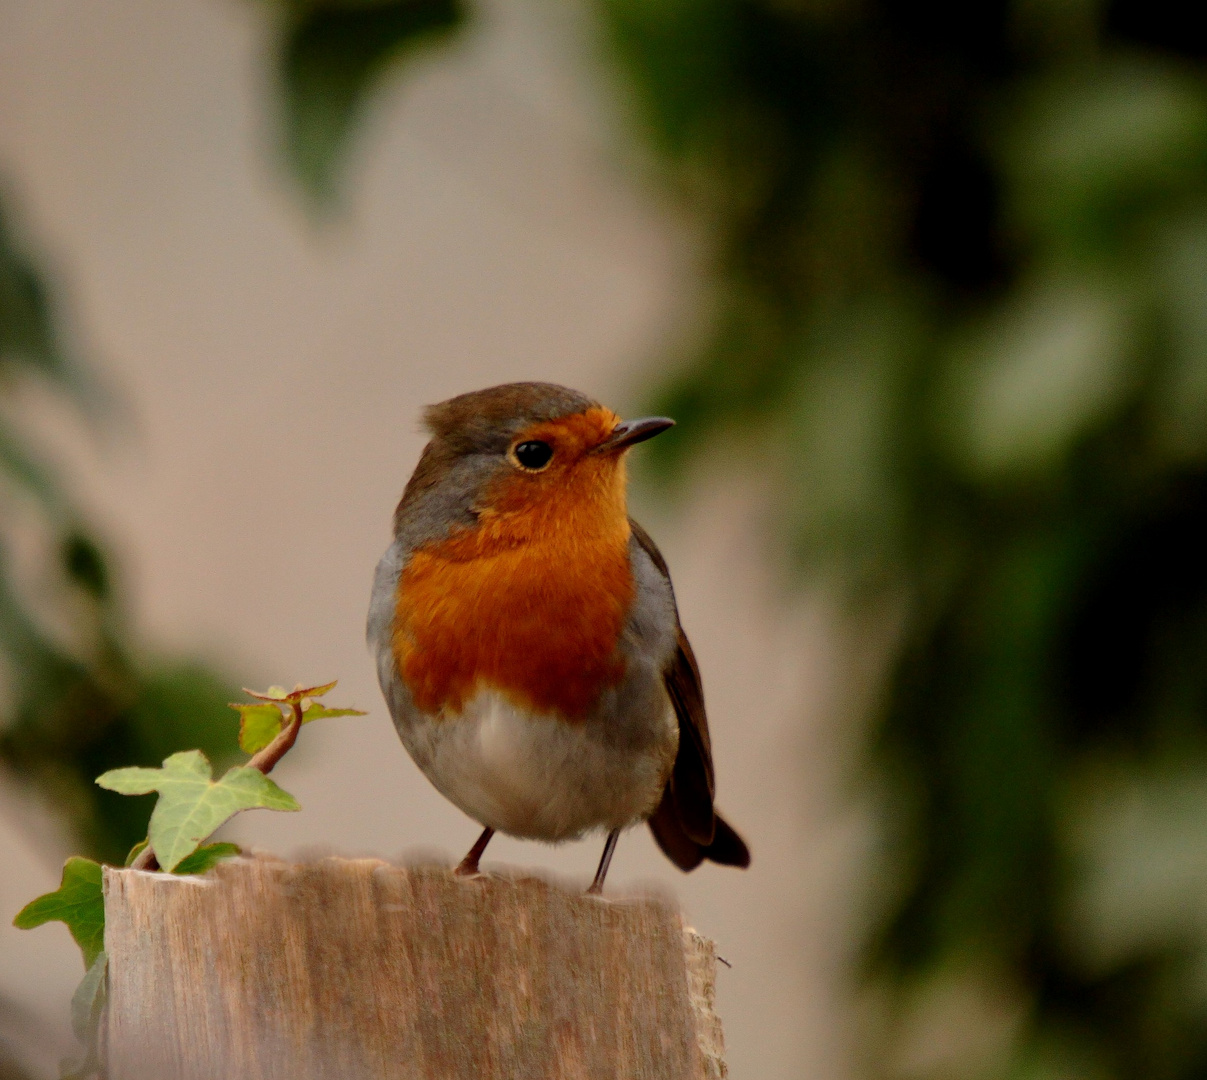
column 321, row 712
column 333, row 54
column 289, row 697
column 191, row 804
column 77, row 902
column 259, row 723
column 206, row 857
column 87, row 1008
column 88, row 1000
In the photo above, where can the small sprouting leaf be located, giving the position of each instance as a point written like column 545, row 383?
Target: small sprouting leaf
column 321, row 712
column 318, row 712
column 88, row 1000
column 191, row 803
column 77, row 902
column 206, row 857
column 259, row 724
column 288, row 697
column 135, row 852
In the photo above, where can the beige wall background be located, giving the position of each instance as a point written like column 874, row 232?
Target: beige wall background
column 273, row 373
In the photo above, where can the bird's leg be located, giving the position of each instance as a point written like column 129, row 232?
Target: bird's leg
column 604, row 860
column 469, row 865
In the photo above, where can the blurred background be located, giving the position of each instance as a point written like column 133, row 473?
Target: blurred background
column 924, row 284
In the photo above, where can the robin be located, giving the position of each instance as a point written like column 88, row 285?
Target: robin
column 527, row 639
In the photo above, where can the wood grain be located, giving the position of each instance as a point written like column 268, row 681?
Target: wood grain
column 367, row 970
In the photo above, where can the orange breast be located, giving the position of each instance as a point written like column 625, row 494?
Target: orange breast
column 532, row 602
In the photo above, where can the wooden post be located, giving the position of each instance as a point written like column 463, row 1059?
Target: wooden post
column 362, row 970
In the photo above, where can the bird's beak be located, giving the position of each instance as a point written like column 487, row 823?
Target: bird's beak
column 630, row 432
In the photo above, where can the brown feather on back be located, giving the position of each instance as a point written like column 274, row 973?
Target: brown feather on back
column 686, row 824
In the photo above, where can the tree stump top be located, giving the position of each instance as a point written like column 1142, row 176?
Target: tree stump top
column 367, row 970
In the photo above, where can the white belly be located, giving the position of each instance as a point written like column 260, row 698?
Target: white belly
column 531, row 776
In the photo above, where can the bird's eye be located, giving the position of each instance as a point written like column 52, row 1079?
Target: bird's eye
column 533, row 455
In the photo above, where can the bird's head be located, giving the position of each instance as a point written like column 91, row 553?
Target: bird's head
column 523, row 458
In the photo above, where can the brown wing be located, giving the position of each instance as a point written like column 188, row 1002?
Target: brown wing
column 686, row 824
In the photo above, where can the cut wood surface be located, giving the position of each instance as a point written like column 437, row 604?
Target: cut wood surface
column 361, row 969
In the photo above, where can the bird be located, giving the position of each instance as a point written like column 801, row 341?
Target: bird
column 527, row 637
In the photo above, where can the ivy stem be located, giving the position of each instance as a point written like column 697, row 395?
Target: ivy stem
column 281, row 745
column 145, row 860
column 264, row 761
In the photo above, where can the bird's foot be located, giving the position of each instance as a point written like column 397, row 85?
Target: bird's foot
column 596, row 888
column 468, row 867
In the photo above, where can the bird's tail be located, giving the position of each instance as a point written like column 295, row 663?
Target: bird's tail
column 726, row 848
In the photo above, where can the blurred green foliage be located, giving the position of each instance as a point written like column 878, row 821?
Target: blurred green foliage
column 79, row 694
column 330, row 55
column 958, row 306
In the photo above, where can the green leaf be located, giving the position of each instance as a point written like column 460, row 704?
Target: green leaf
column 204, row 858
column 289, row 697
column 260, row 724
column 77, row 902
column 332, row 56
column 320, row 712
column 88, row 1001
column 191, row 804
column 28, row 335
column 87, row 1008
